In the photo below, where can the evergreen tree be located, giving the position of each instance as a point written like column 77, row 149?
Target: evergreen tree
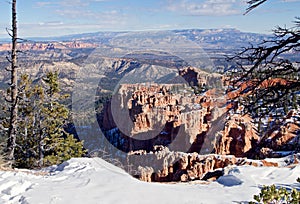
column 41, row 139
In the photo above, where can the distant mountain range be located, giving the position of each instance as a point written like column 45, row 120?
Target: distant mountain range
column 204, row 45
column 204, row 48
column 213, row 38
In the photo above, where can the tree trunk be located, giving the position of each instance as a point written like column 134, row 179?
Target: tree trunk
column 11, row 143
column 40, row 138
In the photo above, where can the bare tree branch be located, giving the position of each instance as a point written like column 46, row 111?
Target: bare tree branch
column 263, row 75
column 253, row 4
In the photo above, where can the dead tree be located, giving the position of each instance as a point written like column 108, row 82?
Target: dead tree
column 253, row 4
column 13, row 90
column 265, row 75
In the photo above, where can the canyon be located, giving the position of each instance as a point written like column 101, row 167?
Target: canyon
column 172, row 119
column 170, row 132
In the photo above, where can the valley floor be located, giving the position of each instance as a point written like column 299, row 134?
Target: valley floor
column 92, row 180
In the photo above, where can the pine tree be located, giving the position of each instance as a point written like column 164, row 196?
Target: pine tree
column 41, row 139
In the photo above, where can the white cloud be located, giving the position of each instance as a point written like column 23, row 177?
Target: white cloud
column 102, row 21
column 107, row 17
column 80, row 10
column 51, row 23
column 44, row 4
column 206, row 8
column 67, row 3
column 74, row 3
column 76, row 16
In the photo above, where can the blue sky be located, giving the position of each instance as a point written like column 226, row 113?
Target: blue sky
column 42, row 18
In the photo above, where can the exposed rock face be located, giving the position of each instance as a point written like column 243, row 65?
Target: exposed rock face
column 178, row 166
column 279, row 130
column 245, row 88
column 281, row 135
column 180, row 118
column 171, row 113
column 167, row 112
column 238, row 138
column 199, row 78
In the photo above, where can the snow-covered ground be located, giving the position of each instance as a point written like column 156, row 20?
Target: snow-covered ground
column 92, row 180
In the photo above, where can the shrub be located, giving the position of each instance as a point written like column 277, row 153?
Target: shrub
column 273, row 195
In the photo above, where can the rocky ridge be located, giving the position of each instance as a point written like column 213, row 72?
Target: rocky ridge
column 179, row 166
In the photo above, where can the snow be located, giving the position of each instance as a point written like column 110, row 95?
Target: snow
column 229, row 180
column 92, row 180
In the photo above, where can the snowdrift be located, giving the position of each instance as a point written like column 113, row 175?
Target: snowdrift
column 92, row 180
